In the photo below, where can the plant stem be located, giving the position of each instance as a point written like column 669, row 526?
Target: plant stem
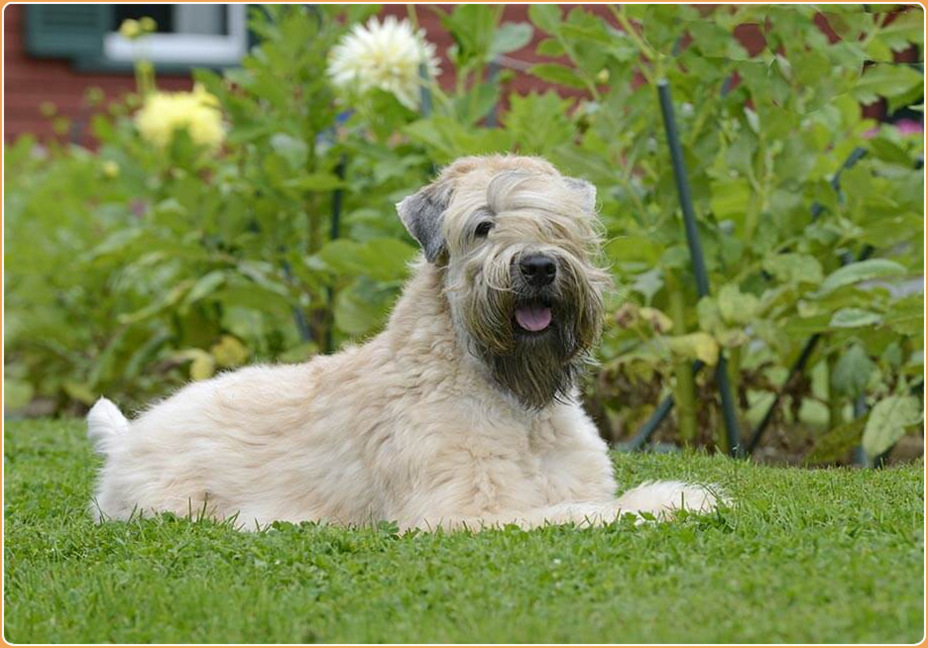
column 835, row 402
column 413, row 16
column 734, row 369
column 685, row 387
column 319, row 318
column 644, row 47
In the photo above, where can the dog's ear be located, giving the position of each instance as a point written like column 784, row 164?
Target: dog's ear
column 422, row 213
column 587, row 193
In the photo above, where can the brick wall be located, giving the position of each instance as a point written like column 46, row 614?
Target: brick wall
column 28, row 82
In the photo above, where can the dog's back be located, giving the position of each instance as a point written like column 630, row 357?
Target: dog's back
column 232, row 445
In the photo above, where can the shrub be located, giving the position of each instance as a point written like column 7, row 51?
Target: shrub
column 764, row 136
column 183, row 246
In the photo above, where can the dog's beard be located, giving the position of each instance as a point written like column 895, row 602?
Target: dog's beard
column 537, row 367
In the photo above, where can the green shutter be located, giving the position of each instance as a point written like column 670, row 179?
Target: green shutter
column 68, row 30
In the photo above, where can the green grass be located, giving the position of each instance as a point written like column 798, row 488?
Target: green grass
column 805, row 557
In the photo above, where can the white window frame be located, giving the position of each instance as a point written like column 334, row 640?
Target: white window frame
column 184, row 49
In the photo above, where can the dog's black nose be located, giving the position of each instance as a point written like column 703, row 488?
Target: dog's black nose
column 538, row 269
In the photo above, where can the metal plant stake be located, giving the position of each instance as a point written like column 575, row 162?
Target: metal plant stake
column 732, row 433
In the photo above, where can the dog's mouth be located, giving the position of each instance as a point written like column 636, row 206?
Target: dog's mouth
column 534, row 317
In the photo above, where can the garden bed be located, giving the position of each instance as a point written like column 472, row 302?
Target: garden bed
column 806, row 556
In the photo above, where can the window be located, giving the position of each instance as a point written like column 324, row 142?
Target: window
column 210, row 35
column 191, row 35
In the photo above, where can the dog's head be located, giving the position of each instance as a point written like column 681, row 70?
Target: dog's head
column 518, row 245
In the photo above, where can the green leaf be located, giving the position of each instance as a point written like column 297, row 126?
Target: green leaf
column 887, row 80
column 854, row 318
column 730, row 198
column 803, row 326
column 146, row 353
column 292, row 149
column 648, row 284
column 299, row 353
column 774, row 335
column 81, row 392
column 710, row 318
column 907, row 315
column 316, row 182
column 245, row 323
column 472, row 27
column 701, row 346
column 511, row 37
column 656, row 319
column 244, row 133
column 794, row 268
column 475, row 104
column 557, row 73
column 170, row 299
column 851, row 372
column 362, row 307
column 740, row 154
column 387, row 259
column 735, row 306
column 383, row 259
column 550, row 47
column 860, row 271
column 447, row 138
column 539, row 122
column 547, row 17
column 625, row 249
column 907, row 27
column 888, row 421
column 732, row 338
column 16, row 393
column 836, row 443
column 341, row 257
column 205, row 286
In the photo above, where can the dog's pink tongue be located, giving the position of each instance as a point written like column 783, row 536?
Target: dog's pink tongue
column 533, row 318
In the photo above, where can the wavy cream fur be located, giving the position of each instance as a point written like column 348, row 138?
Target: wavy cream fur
column 408, row 427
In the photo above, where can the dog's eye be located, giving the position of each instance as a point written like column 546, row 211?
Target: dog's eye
column 483, row 228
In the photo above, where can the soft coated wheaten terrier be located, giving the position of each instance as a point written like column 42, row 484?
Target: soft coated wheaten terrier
column 462, row 413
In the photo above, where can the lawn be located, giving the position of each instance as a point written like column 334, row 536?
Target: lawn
column 805, row 557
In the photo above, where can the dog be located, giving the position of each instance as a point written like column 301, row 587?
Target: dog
column 462, row 413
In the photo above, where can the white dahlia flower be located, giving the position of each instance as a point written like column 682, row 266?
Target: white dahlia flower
column 383, row 55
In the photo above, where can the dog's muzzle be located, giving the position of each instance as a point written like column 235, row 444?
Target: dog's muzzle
column 534, row 280
column 538, row 269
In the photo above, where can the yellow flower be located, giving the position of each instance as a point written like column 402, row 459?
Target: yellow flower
column 203, row 365
column 130, row 29
column 165, row 113
column 110, row 169
column 229, row 352
column 148, row 25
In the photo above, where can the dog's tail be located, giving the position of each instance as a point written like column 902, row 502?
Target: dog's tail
column 105, row 424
